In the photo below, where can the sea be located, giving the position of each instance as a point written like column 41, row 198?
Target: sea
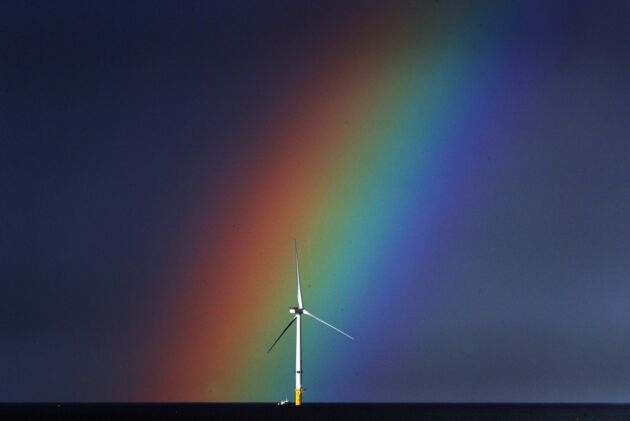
column 313, row 411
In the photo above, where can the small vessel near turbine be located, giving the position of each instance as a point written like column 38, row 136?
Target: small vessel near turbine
column 298, row 312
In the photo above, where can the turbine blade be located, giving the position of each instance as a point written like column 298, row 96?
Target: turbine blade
column 285, row 329
column 297, row 268
column 327, row 324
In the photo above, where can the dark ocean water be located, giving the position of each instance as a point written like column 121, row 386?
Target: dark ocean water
column 314, row 411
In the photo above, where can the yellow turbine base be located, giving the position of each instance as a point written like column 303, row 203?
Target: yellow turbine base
column 298, row 397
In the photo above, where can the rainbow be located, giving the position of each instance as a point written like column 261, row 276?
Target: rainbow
column 370, row 151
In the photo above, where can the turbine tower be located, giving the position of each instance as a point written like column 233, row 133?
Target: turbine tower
column 299, row 311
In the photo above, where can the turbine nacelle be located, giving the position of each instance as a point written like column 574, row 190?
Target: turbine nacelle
column 296, row 310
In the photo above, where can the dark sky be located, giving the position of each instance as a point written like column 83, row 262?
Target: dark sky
column 119, row 121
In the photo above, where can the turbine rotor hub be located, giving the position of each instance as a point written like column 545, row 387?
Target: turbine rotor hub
column 296, row 310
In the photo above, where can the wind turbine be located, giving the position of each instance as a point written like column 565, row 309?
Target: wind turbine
column 298, row 311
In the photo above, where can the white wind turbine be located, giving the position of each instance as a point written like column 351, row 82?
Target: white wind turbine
column 298, row 311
